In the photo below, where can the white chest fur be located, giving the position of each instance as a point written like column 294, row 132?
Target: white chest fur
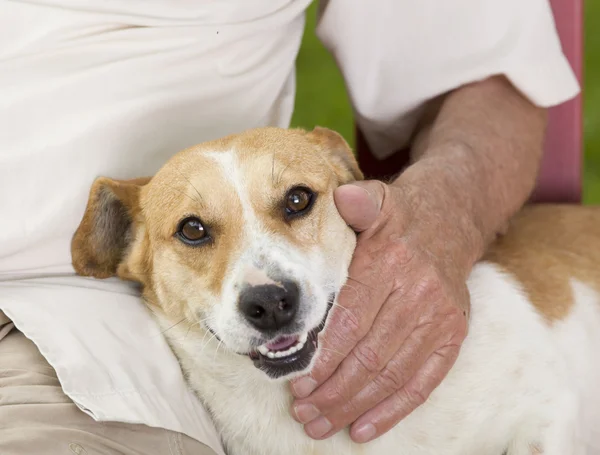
column 518, row 383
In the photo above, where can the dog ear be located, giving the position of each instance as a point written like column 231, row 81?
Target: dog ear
column 338, row 152
column 107, row 228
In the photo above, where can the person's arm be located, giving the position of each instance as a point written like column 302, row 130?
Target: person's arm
column 476, row 156
column 403, row 316
column 406, row 309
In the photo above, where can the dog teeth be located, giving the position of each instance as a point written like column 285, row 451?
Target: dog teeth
column 279, row 354
column 289, row 351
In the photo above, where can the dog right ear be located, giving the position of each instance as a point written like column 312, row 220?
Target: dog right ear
column 107, row 228
column 339, row 154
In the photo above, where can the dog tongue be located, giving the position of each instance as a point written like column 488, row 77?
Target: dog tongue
column 282, row 343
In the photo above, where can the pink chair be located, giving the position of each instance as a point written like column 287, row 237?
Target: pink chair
column 560, row 175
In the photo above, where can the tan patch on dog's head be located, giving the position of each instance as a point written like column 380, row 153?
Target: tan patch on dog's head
column 236, row 187
column 320, row 160
column 545, row 247
column 272, row 161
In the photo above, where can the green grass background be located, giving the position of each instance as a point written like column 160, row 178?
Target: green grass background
column 321, row 96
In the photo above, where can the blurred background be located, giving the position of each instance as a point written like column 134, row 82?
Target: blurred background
column 321, row 96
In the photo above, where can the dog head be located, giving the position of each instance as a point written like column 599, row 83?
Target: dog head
column 239, row 237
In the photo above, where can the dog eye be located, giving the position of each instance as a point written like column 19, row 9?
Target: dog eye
column 298, row 201
column 191, row 231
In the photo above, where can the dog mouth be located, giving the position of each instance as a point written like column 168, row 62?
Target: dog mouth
column 285, row 354
column 288, row 354
column 285, row 346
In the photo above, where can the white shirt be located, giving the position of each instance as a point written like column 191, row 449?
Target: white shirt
column 90, row 88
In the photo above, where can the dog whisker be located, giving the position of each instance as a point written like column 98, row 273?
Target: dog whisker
column 217, row 351
column 190, row 328
column 335, row 304
column 361, row 283
column 182, row 193
column 174, row 325
column 206, row 344
column 209, row 318
column 190, row 182
column 273, row 169
column 352, row 288
column 204, row 336
column 280, row 177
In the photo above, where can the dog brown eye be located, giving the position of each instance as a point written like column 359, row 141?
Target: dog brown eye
column 192, row 231
column 298, row 201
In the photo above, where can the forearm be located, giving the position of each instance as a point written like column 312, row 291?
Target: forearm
column 476, row 165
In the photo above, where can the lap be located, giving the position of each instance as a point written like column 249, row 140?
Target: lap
column 37, row 417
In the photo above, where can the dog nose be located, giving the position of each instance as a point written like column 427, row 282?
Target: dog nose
column 270, row 307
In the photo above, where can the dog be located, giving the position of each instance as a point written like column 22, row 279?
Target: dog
column 241, row 252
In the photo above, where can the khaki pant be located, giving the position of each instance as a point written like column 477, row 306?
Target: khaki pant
column 37, row 418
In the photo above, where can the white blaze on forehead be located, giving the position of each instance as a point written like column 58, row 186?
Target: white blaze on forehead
column 259, row 246
column 234, row 175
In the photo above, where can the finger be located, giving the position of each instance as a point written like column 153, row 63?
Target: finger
column 393, row 331
column 359, row 203
column 389, row 412
column 349, row 320
column 391, row 378
column 401, row 316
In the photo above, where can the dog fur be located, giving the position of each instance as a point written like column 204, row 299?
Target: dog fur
column 526, row 378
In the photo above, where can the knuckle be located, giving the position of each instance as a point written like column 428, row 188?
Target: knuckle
column 368, row 358
column 456, row 316
column 415, row 396
column 451, row 314
column 398, row 254
column 323, row 367
column 432, row 278
column 351, row 325
column 389, row 380
column 455, row 329
column 335, row 396
column 429, row 285
column 350, row 408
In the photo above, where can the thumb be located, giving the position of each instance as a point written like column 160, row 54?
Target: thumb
column 359, row 203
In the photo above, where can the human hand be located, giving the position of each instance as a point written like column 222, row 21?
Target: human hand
column 400, row 319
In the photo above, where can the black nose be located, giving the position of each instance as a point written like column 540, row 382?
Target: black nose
column 268, row 306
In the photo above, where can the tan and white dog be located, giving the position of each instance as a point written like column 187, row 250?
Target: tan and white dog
column 240, row 252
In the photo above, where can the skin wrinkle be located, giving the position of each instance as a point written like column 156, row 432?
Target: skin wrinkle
column 475, row 163
column 465, row 172
column 495, row 137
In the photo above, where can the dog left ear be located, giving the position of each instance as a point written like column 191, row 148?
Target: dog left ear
column 339, row 154
column 106, row 232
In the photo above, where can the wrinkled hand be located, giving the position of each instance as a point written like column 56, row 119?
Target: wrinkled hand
column 397, row 330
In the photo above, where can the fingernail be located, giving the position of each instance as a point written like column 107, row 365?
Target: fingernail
column 371, row 195
column 364, row 189
column 304, row 387
column 318, row 428
column 364, row 433
column 306, row 412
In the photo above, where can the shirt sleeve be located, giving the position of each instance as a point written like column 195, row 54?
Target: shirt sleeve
column 397, row 54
